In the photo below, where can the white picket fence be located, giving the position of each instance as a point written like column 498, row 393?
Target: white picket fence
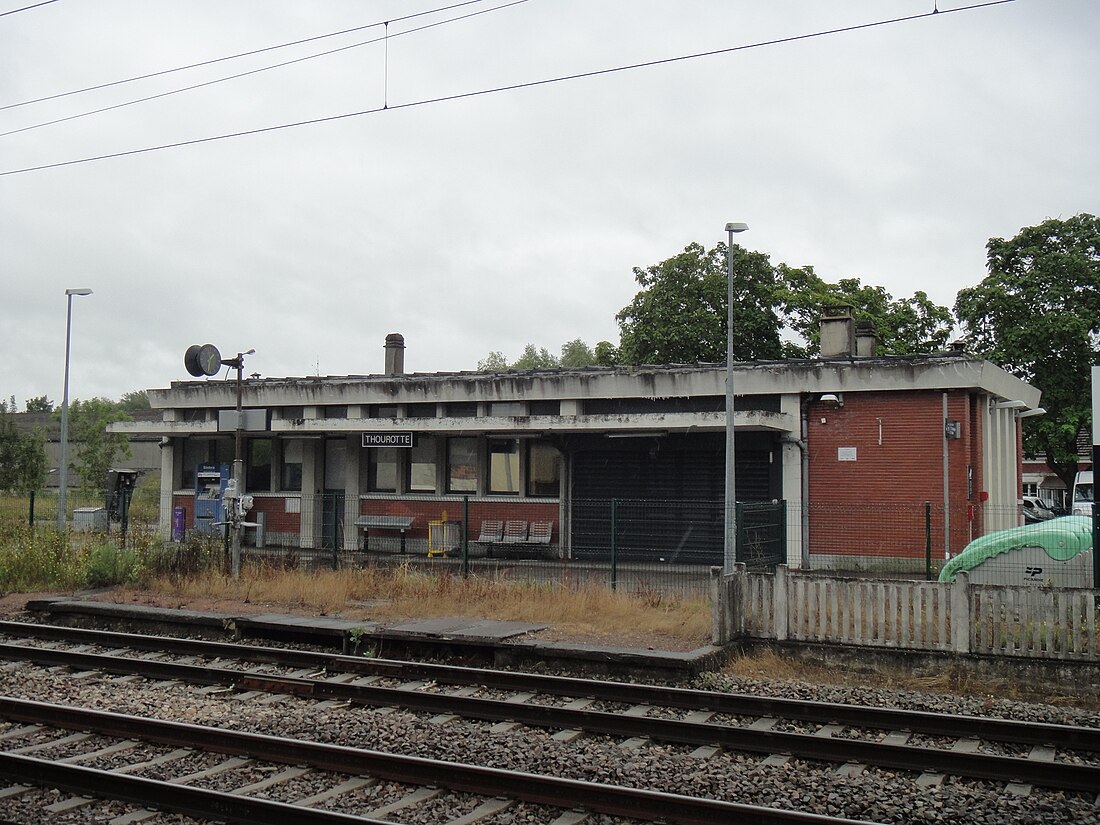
column 959, row 617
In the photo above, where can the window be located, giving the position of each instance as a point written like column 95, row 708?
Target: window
column 196, row 451
column 422, row 466
column 382, row 469
column 461, row 409
column 504, row 467
column 259, row 465
column 292, row 413
column 335, row 411
column 462, row 465
column 544, row 407
column 507, row 408
column 543, row 470
column 290, row 478
column 384, row 411
column 420, row 410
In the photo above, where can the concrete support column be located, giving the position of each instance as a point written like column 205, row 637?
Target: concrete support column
column 170, row 465
column 354, row 454
column 313, row 487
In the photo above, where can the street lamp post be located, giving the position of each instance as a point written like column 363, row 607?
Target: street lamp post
column 729, row 545
column 63, row 478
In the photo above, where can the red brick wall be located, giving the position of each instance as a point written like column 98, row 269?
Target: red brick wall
column 874, row 505
column 274, row 510
column 424, row 511
column 276, row 518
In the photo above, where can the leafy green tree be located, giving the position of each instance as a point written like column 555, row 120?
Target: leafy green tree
column 905, row 326
column 39, row 404
column 23, row 462
column 607, row 354
column 136, row 401
column 577, row 354
column 1037, row 314
column 534, row 359
column 96, row 450
column 679, row 315
column 493, row 362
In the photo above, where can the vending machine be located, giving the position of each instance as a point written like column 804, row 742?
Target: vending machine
column 210, row 483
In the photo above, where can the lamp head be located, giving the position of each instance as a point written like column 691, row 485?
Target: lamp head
column 736, row 227
column 81, row 291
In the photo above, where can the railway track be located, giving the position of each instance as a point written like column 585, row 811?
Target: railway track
column 849, row 738
column 421, row 779
column 845, row 734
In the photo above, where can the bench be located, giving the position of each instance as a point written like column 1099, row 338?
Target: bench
column 368, row 523
column 514, row 534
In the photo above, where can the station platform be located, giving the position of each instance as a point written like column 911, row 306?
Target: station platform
column 474, row 641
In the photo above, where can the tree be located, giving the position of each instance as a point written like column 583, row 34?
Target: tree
column 576, row 354
column 136, row 401
column 679, row 315
column 23, row 462
column 96, row 449
column 905, row 326
column 493, row 362
column 534, row 359
column 40, row 404
column 1037, row 314
column 607, row 354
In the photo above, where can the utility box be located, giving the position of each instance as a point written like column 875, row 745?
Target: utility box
column 120, row 489
column 210, row 484
column 90, row 519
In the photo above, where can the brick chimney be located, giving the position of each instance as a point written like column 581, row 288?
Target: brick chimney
column 395, row 354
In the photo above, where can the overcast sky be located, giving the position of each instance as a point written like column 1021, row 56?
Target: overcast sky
column 889, row 153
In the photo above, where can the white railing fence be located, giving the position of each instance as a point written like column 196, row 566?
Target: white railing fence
column 958, row 617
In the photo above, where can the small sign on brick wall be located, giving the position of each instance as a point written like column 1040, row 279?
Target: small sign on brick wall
column 845, row 453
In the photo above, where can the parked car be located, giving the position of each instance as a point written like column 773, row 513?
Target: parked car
column 1035, row 509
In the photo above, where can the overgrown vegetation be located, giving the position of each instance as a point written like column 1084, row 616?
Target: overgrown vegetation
column 149, row 569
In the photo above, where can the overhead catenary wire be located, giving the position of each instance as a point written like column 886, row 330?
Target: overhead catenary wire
column 385, row 37
column 938, row 13
column 250, row 53
column 27, row 8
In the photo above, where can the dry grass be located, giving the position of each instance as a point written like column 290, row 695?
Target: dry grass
column 390, row 595
column 767, row 665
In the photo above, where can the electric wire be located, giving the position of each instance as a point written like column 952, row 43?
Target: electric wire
column 27, row 8
column 509, row 88
column 250, row 53
column 284, row 63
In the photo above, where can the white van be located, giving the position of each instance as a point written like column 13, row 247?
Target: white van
column 1082, row 494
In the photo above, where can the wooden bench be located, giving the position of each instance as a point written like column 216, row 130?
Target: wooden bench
column 368, row 523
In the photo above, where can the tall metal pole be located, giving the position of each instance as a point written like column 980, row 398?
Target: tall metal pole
column 63, row 477
column 729, row 548
column 238, row 471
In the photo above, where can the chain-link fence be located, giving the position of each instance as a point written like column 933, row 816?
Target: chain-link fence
column 667, row 545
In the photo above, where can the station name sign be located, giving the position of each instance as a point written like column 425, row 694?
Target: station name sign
column 389, row 439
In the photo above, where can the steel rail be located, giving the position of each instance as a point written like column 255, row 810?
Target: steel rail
column 735, row 704
column 167, row 796
column 1069, row 776
column 614, row 800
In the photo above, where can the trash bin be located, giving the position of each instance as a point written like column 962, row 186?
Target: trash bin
column 90, row 519
column 179, row 520
column 444, row 537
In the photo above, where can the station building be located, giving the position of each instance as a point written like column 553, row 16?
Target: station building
column 867, row 457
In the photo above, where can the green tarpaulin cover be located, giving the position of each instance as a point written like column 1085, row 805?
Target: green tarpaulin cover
column 1061, row 538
